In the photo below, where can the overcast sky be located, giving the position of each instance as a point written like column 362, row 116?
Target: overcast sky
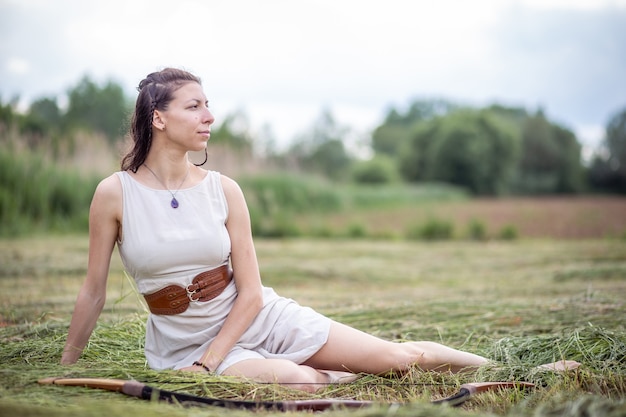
column 283, row 61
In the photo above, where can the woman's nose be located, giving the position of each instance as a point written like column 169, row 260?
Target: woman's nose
column 208, row 117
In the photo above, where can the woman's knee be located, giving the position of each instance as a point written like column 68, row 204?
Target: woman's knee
column 409, row 354
column 299, row 377
column 272, row 371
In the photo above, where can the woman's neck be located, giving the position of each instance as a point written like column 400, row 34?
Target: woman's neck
column 170, row 172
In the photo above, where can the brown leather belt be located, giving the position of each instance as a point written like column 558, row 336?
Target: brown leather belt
column 175, row 299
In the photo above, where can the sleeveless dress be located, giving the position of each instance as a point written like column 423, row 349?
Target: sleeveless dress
column 162, row 246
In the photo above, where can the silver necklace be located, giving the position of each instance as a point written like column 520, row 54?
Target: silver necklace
column 174, row 202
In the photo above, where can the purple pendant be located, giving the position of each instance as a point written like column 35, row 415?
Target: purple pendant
column 174, row 203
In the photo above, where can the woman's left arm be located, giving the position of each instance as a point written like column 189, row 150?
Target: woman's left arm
column 246, row 275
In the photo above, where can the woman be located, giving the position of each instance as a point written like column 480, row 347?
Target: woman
column 184, row 235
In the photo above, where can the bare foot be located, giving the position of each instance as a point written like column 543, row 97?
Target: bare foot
column 560, row 366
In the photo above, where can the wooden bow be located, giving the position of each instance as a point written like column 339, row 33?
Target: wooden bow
column 468, row 390
column 146, row 392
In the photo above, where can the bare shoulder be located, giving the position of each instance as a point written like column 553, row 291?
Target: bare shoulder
column 230, row 186
column 235, row 200
column 109, row 187
column 108, row 196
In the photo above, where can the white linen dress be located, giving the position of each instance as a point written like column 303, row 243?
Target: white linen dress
column 162, row 246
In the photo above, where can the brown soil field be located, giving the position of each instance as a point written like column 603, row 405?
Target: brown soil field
column 558, row 217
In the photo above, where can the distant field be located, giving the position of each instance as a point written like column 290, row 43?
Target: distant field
column 522, row 303
column 565, row 217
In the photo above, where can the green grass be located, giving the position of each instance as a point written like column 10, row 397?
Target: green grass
column 522, row 303
column 36, row 195
column 290, row 205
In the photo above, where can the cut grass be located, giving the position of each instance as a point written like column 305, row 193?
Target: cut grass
column 521, row 303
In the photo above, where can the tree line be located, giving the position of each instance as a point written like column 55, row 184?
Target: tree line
column 499, row 150
column 490, row 151
column 495, row 150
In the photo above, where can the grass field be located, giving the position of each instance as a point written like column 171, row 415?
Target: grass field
column 522, row 303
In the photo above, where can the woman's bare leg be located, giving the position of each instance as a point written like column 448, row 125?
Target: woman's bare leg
column 284, row 372
column 352, row 350
column 349, row 351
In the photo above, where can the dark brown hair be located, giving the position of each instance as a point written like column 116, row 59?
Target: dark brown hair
column 155, row 93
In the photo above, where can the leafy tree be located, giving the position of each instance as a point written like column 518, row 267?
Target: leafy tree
column 539, row 156
column 616, row 144
column 421, row 110
column 330, row 158
column 47, row 110
column 7, row 113
column 570, row 171
column 472, row 149
column 514, row 114
column 550, row 160
column 322, row 150
column 102, row 109
column 234, row 131
column 608, row 169
column 389, row 138
column 43, row 117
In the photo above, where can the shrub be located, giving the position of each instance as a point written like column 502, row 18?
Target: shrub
column 508, row 232
column 476, row 230
column 282, row 226
column 433, row 229
column 356, row 230
column 269, row 195
column 378, row 170
column 321, row 231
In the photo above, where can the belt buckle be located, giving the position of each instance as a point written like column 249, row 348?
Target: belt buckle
column 190, row 293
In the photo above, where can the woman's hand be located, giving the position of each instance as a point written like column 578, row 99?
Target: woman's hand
column 194, row 368
column 198, row 367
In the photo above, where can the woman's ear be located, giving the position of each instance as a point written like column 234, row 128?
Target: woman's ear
column 157, row 120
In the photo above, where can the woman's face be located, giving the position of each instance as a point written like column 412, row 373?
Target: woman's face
column 187, row 119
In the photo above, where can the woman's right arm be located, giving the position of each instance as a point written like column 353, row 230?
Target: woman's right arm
column 104, row 227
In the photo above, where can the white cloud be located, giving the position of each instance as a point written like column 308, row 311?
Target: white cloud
column 18, row 66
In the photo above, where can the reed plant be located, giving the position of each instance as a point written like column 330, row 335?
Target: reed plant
column 37, row 196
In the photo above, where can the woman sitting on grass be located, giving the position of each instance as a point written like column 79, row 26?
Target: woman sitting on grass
column 184, row 235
